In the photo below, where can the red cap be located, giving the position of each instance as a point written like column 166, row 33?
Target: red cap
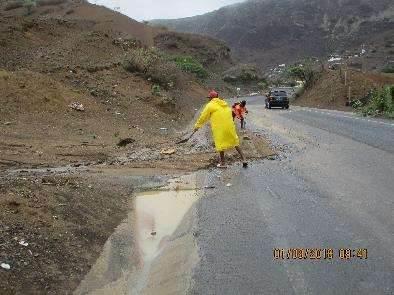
column 213, row 94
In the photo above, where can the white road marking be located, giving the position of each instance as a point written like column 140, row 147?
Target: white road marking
column 349, row 117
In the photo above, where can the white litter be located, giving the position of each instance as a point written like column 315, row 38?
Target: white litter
column 168, row 151
column 6, row 266
column 229, row 184
column 23, row 243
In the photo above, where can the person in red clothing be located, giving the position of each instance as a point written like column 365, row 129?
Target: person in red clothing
column 239, row 111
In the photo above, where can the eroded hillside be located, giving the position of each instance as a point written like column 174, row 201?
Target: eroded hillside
column 62, row 52
column 282, row 31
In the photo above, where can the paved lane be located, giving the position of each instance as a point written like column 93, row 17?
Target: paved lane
column 334, row 190
column 376, row 133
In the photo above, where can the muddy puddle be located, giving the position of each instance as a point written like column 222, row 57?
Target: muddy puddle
column 124, row 266
column 158, row 214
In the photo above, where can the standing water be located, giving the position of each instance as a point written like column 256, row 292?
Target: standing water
column 158, row 214
column 124, row 265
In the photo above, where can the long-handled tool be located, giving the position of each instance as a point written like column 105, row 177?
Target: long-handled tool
column 186, row 139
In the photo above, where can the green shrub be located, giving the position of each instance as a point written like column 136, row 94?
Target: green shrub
column 230, row 79
column 381, row 104
column 248, row 76
column 150, row 64
column 262, row 84
column 50, row 2
column 243, row 74
column 139, row 60
column 190, row 65
column 356, row 104
column 13, row 5
column 306, row 72
column 388, row 70
column 29, row 4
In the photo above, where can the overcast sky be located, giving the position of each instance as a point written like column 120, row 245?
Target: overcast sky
column 153, row 9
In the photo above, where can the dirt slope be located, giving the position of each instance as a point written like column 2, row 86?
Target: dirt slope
column 96, row 18
column 330, row 91
column 73, row 52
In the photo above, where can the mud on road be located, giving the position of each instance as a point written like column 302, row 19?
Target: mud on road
column 56, row 220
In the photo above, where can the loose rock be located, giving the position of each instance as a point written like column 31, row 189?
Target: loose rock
column 168, row 151
column 77, row 106
column 125, row 142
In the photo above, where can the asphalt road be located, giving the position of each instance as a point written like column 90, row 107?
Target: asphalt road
column 332, row 187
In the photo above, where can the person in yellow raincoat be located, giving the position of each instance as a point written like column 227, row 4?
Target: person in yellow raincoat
column 219, row 113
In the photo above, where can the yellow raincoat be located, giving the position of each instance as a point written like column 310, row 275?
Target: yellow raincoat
column 222, row 125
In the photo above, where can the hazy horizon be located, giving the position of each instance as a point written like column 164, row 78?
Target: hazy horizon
column 157, row 9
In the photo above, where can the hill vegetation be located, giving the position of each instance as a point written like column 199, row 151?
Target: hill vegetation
column 380, row 102
column 341, row 88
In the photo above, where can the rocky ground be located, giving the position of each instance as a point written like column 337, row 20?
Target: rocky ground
column 331, row 90
column 53, row 226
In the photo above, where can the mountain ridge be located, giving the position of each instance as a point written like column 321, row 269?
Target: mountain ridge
column 268, row 31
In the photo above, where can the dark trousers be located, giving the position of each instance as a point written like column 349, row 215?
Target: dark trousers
column 243, row 123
